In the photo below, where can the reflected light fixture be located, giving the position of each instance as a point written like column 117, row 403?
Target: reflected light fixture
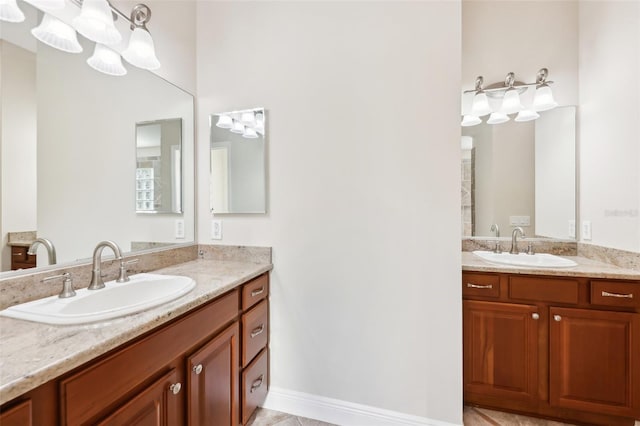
column 10, row 12
column 260, row 123
column 47, row 4
column 237, row 127
column 249, row 133
column 508, row 92
column 141, row 50
column 95, row 22
column 224, row 122
column 107, row 61
column 248, row 118
column 55, row 33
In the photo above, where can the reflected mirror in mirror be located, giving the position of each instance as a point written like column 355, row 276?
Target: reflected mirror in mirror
column 237, row 160
column 521, row 174
column 159, row 166
column 68, row 137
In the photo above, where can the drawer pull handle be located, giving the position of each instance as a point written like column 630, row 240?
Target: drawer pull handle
column 257, row 383
column 470, row 285
column 557, row 318
column 256, row 331
column 254, row 293
column 535, row 316
column 175, row 388
column 197, row 369
column 626, row 296
column 18, row 254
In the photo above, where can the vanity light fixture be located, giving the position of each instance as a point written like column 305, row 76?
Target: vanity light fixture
column 260, row 123
column 55, row 33
column 96, row 23
column 237, row 127
column 249, row 133
column 47, row 4
column 141, row 50
column 509, row 92
column 107, row 61
column 224, row 122
column 10, row 12
column 248, row 118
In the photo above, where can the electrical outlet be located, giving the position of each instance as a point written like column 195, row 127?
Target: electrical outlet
column 179, row 228
column 520, row 220
column 216, row 229
column 572, row 228
column 586, row 230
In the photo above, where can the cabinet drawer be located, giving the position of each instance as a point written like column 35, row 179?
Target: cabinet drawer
column 255, row 383
column 85, row 394
column 615, row 293
column 543, row 289
column 19, row 415
column 20, row 259
column 255, row 331
column 480, row 285
column 255, row 291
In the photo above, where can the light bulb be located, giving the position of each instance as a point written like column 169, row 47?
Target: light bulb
column 106, row 61
column 470, row 120
column 95, row 22
column 224, row 122
column 55, row 33
column 511, row 102
column 480, row 105
column 141, row 51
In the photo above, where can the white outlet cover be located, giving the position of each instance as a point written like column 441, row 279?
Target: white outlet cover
column 586, row 230
column 216, row 229
column 179, row 228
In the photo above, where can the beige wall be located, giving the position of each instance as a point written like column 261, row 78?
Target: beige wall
column 608, row 122
column 364, row 197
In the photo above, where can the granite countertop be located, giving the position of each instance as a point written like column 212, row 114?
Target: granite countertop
column 32, row 353
column 585, row 268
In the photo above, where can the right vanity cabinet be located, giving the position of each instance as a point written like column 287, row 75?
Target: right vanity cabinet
column 563, row 347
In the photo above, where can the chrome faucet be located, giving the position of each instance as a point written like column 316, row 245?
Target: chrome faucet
column 514, row 239
column 496, row 229
column 96, row 277
column 51, row 250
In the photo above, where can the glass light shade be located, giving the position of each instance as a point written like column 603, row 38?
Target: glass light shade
column 141, row 51
column 47, row 4
column 55, row 33
column 95, row 22
column 543, row 99
column 497, row 118
column 260, row 123
column 248, row 117
column 106, row 61
column 238, row 127
column 470, row 120
column 480, row 105
column 10, row 12
column 511, row 102
column 527, row 115
column 249, row 133
column 224, row 122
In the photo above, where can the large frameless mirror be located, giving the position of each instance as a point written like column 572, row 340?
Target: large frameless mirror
column 237, row 161
column 521, row 174
column 159, row 166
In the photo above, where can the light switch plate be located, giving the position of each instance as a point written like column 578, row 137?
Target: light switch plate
column 179, row 227
column 520, row 220
column 586, row 230
column 216, row 229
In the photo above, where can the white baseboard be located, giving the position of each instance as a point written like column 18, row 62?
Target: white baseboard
column 339, row 412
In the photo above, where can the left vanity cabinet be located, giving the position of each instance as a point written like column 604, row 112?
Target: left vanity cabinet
column 185, row 372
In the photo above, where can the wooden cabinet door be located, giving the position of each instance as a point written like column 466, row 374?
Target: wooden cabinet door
column 157, row 405
column 212, row 379
column 500, row 352
column 19, row 415
column 594, row 361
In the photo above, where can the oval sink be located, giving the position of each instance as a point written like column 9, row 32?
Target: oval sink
column 538, row 260
column 143, row 291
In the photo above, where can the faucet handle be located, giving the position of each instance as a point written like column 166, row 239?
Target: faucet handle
column 530, row 249
column 67, row 285
column 123, row 277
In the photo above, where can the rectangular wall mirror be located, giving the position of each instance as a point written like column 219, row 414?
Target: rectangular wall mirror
column 237, row 161
column 521, row 174
column 68, row 146
column 158, row 186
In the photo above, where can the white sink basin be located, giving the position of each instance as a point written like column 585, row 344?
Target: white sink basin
column 538, row 260
column 143, row 291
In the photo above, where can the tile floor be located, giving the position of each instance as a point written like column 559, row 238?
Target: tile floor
column 472, row 417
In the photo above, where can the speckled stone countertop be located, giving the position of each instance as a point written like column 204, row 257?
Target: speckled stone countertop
column 585, row 268
column 32, row 354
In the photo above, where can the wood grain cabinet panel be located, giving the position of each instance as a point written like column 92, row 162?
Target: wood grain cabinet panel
column 617, row 294
column 536, row 289
column 594, row 358
column 255, row 331
column 18, row 415
column 501, row 350
column 156, row 405
column 255, row 291
column 483, row 285
column 213, row 374
column 20, row 259
column 255, row 382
